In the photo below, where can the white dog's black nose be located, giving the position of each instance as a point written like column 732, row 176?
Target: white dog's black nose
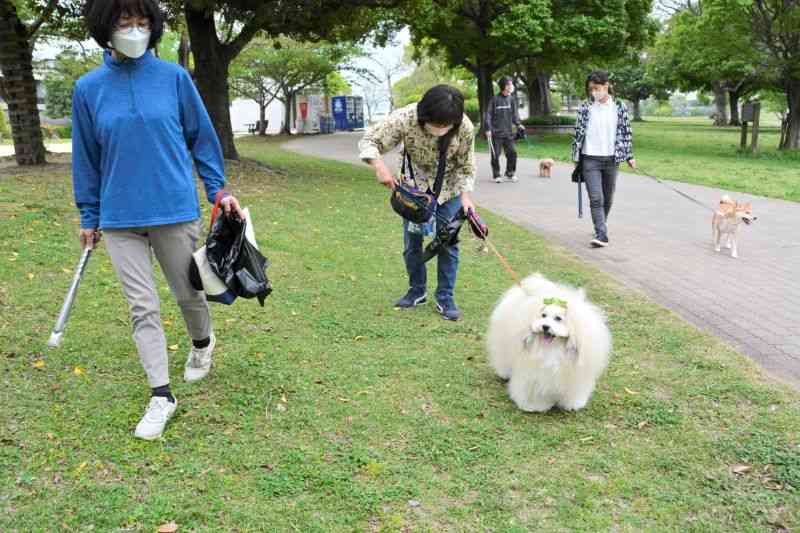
column 545, row 328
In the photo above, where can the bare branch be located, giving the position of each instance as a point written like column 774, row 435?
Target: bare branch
column 234, row 47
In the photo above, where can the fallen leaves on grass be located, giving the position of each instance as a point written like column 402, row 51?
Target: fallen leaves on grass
column 170, row 527
column 741, row 469
column 772, row 484
column 39, row 363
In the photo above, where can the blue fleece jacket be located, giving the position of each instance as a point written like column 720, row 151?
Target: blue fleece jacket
column 137, row 125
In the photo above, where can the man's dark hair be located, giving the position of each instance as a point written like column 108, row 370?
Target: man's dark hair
column 600, row 77
column 502, row 82
column 102, row 16
column 442, row 105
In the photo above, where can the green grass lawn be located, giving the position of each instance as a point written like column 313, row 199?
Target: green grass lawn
column 693, row 151
column 327, row 410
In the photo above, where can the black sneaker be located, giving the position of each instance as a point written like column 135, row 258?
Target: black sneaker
column 411, row 299
column 599, row 242
column 448, row 309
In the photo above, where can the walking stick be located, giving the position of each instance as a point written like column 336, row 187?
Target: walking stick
column 63, row 316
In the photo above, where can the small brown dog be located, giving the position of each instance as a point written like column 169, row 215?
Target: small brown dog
column 544, row 167
column 726, row 220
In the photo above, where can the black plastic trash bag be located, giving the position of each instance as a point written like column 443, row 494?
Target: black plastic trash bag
column 250, row 269
column 235, row 260
column 446, row 236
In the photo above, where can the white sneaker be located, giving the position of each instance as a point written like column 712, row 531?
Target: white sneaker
column 498, row 179
column 199, row 361
column 512, row 178
column 159, row 410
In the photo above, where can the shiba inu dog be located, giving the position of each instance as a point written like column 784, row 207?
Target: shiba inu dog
column 726, row 221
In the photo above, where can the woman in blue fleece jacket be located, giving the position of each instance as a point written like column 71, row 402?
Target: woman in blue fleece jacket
column 138, row 125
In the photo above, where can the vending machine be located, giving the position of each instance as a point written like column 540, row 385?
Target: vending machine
column 348, row 112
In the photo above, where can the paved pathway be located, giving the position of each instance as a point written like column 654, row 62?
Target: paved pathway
column 65, row 147
column 661, row 244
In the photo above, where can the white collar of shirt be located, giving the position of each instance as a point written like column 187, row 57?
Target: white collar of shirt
column 605, row 105
column 601, row 131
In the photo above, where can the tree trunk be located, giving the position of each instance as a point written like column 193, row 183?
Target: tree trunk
column 734, row 105
column 183, row 51
column 16, row 63
column 720, row 103
column 792, row 138
column 211, row 63
column 485, row 91
column 541, row 101
column 391, row 97
column 368, row 105
column 637, row 110
column 287, row 114
column 262, row 124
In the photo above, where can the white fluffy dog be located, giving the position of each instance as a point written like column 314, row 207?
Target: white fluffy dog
column 550, row 343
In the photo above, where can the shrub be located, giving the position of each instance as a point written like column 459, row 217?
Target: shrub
column 64, row 132
column 5, row 129
column 472, row 110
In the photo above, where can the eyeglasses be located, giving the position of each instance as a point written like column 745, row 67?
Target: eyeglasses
column 127, row 27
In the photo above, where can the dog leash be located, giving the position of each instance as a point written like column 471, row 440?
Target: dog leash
column 501, row 257
column 668, row 186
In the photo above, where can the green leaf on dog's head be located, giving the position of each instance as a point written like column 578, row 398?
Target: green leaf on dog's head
column 555, row 301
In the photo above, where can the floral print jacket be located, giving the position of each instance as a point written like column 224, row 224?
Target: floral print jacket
column 623, row 144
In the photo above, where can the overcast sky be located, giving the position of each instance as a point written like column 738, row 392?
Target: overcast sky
column 391, row 54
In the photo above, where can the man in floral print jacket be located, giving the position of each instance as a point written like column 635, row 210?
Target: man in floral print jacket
column 603, row 140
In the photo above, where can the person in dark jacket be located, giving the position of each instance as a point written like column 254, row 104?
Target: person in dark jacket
column 502, row 121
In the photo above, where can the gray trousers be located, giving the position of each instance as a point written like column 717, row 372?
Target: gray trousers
column 130, row 252
column 600, row 175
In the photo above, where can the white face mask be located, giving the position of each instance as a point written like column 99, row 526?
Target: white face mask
column 437, row 132
column 132, row 43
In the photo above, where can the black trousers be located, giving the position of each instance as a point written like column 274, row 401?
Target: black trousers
column 600, row 175
column 504, row 144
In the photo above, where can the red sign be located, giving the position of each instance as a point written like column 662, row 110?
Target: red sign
column 304, row 110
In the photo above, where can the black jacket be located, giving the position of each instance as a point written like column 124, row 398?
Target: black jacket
column 502, row 115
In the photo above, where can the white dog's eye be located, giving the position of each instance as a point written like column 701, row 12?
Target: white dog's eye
column 558, row 319
column 544, row 315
